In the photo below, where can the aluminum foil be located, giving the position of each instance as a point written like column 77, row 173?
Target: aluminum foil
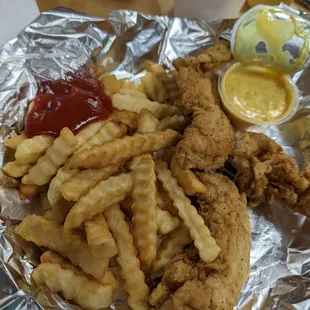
column 61, row 41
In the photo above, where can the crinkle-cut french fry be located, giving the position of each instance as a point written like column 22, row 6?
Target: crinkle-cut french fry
column 16, row 169
column 123, row 149
column 111, row 84
column 72, row 245
column 134, row 104
column 166, row 222
column 204, row 242
column 64, row 174
column 132, row 92
column 76, row 287
column 47, row 166
column 175, row 122
column 109, row 132
column 30, row 150
column 15, row 141
column 147, row 122
column 126, row 117
column 8, row 181
column 60, row 211
column 55, row 258
column 154, row 88
column 172, row 245
column 124, row 83
column 169, row 83
column 99, row 197
column 28, row 191
column 80, row 183
column 99, row 238
column 187, row 179
column 144, row 209
column 88, row 132
column 163, row 200
column 138, row 291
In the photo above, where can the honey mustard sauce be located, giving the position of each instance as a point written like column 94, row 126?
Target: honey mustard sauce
column 257, row 92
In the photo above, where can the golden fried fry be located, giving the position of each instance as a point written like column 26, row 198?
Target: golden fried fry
column 175, row 122
column 55, row 258
column 48, row 165
column 134, row 104
column 60, row 211
column 169, row 83
column 166, row 222
column 172, row 245
column 99, row 238
column 28, row 191
column 187, row 179
column 124, row 83
column 144, row 209
column 132, row 92
column 78, row 288
column 50, row 234
column 30, row 150
column 64, row 174
column 15, row 141
column 154, row 88
column 111, row 84
column 88, row 132
column 8, row 181
column 109, row 132
column 164, row 202
column 147, row 122
column 128, row 118
column 80, row 183
column 204, row 242
column 99, row 197
column 123, row 149
column 16, row 169
column 138, row 291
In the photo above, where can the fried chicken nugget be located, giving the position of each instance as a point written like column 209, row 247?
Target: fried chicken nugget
column 154, row 88
column 134, row 104
column 123, row 149
column 79, row 185
column 47, row 166
column 30, row 150
column 187, row 179
column 138, row 291
column 99, row 238
column 76, row 287
column 100, row 197
column 204, row 242
column 51, row 234
column 174, row 244
column 144, row 209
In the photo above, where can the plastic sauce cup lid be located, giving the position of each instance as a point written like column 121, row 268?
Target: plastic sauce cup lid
column 271, row 37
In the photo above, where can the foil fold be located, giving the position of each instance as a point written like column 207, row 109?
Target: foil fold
column 61, row 41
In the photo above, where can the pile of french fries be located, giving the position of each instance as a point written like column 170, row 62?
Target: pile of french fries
column 112, row 195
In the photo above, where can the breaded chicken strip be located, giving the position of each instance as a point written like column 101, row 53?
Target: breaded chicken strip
column 266, row 174
column 189, row 283
column 209, row 139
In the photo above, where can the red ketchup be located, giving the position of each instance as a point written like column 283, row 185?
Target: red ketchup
column 72, row 103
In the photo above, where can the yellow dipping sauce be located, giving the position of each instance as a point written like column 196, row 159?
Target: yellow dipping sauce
column 257, row 92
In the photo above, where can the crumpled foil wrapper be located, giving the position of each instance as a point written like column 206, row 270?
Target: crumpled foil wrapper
column 61, row 41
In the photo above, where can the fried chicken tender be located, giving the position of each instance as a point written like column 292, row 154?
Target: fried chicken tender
column 209, row 139
column 266, row 174
column 190, row 284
